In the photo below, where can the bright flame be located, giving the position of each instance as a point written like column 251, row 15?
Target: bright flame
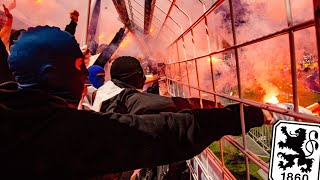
column 38, row 1
column 151, row 30
column 101, row 37
column 272, row 99
column 212, row 59
column 124, row 43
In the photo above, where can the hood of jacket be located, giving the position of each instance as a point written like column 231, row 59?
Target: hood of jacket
column 24, row 112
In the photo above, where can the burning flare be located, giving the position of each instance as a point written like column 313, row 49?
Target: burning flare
column 38, row 1
column 101, row 37
column 124, row 43
column 213, row 59
column 272, row 99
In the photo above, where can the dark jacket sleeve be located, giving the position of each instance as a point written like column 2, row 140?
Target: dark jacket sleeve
column 193, row 103
column 71, row 28
column 90, row 143
column 147, row 103
column 106, row 54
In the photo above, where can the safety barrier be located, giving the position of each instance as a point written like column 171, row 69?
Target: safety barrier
column 185, row 79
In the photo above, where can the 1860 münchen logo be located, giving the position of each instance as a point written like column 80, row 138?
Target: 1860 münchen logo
column 295, row 151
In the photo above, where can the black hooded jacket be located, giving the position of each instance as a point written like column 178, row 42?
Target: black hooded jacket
column 41, row 137
column 71, row 27
column 132, row 101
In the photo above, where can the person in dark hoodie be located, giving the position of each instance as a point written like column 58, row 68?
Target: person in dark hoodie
column 44, row 136
column 127, row 76
column 121, row 94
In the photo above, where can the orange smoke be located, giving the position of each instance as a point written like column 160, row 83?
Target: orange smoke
column 124, row 43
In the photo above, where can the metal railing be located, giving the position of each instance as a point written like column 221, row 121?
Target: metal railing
column 262, row 135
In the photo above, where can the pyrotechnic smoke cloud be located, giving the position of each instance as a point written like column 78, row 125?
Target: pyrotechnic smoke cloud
column 260, row 62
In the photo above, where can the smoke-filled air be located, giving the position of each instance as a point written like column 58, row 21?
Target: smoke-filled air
column 265, row 68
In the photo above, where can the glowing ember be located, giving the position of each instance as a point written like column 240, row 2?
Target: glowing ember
column 38, row 1
column 272, row 100
column 101, row 37
column 314, row 108
column 151, row 30
column 124, row 43
column 212, row 59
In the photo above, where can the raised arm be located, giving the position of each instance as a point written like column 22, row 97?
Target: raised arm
column 147, row 103
column 12, row 5
column 91, row 142
column 106, row 54
column 71, row 27
column 6, row 29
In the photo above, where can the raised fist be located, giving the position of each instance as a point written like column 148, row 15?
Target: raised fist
column 74, row 15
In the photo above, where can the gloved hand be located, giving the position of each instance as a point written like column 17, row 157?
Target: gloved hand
column 273, row 117
column 218, row 122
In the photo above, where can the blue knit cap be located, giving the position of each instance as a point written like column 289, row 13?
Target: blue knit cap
column 38, row 48
column 97, row 81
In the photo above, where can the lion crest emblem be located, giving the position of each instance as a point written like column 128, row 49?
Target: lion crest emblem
column 298, row 142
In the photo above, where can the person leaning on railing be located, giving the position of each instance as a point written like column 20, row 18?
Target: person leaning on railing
column 122, row 95
column 43, row 135
column 272, row 117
